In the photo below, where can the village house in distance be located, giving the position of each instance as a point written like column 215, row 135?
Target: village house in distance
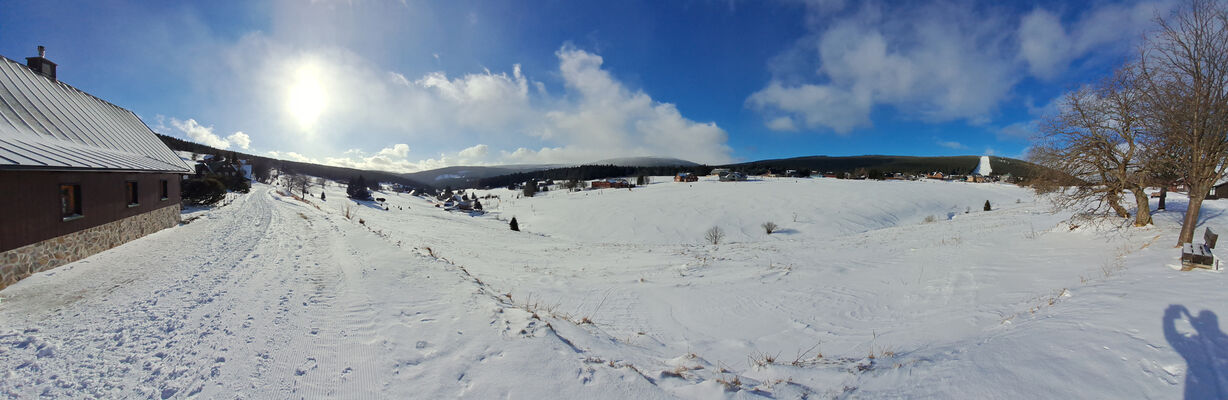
column 79, row 175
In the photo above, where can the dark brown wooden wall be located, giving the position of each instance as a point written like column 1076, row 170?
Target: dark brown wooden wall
column 30, row 202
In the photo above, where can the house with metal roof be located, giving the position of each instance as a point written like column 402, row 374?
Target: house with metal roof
column 78, row 175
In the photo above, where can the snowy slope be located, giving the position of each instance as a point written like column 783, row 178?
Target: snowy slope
column 983, row 168
column 612, row 294
column 809, row 209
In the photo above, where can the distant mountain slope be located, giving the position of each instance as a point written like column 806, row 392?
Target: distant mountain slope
column 906, row 164
column 644, row 162
column 326, row 171
column 470, row 176
column 466, row 176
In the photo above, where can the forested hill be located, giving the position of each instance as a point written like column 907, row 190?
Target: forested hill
column 887, row 164
column 327, row 171
column 907, row 164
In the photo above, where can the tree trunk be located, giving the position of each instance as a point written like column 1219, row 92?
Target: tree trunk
column 1163, row 195
column 1115, row 202
column 1143, row 217
column 1190, row 222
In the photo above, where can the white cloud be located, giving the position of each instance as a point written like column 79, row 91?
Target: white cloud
column 240, row 139
column 200, row 133
column 393, row 159
column 816, row 105
column 1048, row 47
column 400, row 150
column 595, row 116
column 476, row 152
column 607, row 119
column 291, row 156
column 951, row 144
column 782, row 124
column 1043, row 43
column 1018, row 131
column 936, row 62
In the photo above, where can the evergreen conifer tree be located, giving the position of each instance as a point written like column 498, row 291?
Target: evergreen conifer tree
column 515, row 226
column 987, row 208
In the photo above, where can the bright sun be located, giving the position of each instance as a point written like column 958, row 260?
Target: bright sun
column 306, row 99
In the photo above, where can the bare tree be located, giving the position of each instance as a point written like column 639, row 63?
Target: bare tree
column 1098, row 137
column 300, row 183
column 1184, row 67
column 714, row 235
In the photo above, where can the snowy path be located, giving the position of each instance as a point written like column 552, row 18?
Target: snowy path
column 270, row 298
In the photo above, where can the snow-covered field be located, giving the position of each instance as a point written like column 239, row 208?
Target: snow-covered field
column 615, row 294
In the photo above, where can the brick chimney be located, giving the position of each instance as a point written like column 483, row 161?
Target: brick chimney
column 41, row 64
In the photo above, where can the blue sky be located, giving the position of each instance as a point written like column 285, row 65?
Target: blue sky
column 406, row 86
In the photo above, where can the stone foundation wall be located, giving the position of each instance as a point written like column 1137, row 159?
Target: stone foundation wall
column 27, row 260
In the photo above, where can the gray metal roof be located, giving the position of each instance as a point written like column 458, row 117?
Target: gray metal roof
column 48, row 124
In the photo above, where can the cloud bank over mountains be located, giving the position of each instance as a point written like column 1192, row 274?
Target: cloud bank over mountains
column 314, row 100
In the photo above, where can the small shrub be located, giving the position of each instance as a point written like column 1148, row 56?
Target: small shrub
column 203, row 191
column 714, row 235
column 514, row 225
column 987, row 207
column 770, row 227
column 931, row 219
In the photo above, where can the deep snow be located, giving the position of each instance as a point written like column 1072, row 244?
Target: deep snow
column 613, row 293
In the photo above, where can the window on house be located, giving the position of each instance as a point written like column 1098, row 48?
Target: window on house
column 70, row 201
column 133, row 199
column 166, row 193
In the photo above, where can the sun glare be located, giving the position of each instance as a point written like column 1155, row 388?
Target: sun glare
column 306, row 99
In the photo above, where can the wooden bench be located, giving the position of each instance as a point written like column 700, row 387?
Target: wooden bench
column 1200, row 255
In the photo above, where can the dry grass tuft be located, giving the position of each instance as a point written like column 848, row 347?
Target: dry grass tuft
column 731, row 385
column 761, row 360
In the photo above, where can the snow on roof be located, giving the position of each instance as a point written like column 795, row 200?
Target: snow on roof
column 46, row 123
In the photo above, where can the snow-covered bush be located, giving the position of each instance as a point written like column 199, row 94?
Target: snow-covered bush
column 770, row 227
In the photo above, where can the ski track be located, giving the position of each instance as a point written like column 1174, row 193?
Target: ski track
column 273, row 297
column 266, row 304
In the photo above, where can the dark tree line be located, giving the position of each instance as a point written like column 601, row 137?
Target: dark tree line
column 587, row 172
